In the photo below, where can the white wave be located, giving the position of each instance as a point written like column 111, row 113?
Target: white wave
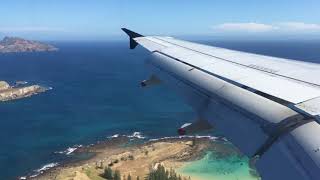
column 69, row 150
column 41, row 170
column 115, row 136
column 21, row 82
column 213, row 138
column 34, row 175
column 138, row 135
column 46, row 167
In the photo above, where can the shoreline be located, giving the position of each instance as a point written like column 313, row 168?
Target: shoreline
column 117, row 150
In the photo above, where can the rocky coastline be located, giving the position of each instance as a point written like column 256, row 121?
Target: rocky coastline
column 135, row 160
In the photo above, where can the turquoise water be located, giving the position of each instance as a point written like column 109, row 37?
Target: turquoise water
column 213, row 167
column 96, row 94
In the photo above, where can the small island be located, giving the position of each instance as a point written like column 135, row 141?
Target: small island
column 16, row 45
column 8, row 92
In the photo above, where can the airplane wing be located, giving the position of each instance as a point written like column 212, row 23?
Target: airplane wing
column 268, row 107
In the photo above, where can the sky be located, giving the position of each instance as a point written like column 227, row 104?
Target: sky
column 102, row 19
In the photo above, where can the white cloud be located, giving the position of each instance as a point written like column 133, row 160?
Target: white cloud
column 30, row 29
column 244, row 27
column 299, row 26
column 282, row 27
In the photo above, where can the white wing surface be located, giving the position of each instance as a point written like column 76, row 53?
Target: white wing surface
column 269, row 107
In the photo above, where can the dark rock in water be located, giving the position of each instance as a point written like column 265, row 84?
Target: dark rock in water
column 15, row 44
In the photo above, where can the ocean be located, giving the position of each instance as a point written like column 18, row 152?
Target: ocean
column 95, row 94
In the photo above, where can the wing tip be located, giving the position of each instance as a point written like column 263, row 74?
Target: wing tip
column 132, row 35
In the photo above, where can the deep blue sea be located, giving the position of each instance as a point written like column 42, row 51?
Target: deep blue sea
column 96, row 94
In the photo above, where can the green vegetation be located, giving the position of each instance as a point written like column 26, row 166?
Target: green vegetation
column 107, row 174
column 117, row 175
column 160, row 174
column 130, row 157
column 129, row 177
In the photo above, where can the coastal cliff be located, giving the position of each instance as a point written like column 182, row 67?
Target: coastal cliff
column 15, row 45
column 8, row 92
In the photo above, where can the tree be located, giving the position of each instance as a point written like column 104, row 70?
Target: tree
column 107, row 174
column 162, row 174
column 117, row 175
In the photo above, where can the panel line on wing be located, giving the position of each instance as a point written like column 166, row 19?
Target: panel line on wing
column 268, row 96
column 269, row 71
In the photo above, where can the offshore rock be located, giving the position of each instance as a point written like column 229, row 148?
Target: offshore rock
column 8, row 92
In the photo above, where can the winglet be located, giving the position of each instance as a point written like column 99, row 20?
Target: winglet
column 132, row 35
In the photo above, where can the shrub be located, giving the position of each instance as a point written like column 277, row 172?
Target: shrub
column 129, row 177
column 117, row 175
column 107, row 174
column 131, row 157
